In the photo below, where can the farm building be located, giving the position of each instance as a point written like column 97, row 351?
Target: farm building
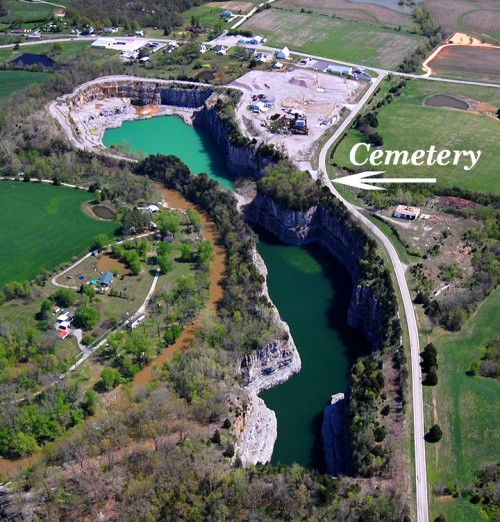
column 106, row 279
column 256, row 40
column 343, row 70
column 284, row 54
column 405, row 212
column 278, row 65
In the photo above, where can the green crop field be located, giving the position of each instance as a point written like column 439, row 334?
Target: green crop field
column 358, row 42
column 12, row 81
column 41, row 226
column 466, row 408
column 407, row 124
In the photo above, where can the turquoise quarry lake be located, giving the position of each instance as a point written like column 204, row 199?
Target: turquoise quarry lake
column 170, row 135
column 309, row 287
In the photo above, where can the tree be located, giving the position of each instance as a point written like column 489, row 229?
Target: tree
column 86, row 316
column 205, row 252
column 432, row 376
column 168, row 221
column 99, row 242
column 23, row 444
column 172, row 334
column 64, row 297
column 165, row 264
column 110, row 378
column 186, row 253
column 434, row 434
column 194, row 218
column 45, row 309
column 135, row 221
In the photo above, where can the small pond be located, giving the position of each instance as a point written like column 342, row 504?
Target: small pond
column 443, row 100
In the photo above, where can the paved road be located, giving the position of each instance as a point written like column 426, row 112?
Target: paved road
column 399, row 270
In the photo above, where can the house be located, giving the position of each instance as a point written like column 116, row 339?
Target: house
column 62, row 318
column 63, row 334
column 256, row 40
column 219, row 49
column 342, row 70
column 55, row 309
column 36, row 34
column 261, row 57
column 226, row 14
column 139, row 33
column 144, row 59
column 20, row 30
column 106, row 279
column 284, row 54
column 405, row 212
column 64, row 326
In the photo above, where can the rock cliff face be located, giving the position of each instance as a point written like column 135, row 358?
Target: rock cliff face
column 333, row 433
column 142, row 91
column 319, row 225
column 241, row 161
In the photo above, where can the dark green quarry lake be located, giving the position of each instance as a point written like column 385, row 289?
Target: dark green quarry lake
column 170, row 135
column 309, row 287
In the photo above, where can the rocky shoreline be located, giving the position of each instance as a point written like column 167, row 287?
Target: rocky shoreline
column 263, row 369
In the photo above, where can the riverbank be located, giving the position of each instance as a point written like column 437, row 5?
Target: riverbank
column 217, row 275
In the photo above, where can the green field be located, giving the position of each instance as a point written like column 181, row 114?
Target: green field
column 67, row 51
column 42, row 226
column 28, row 11
column 358, row 42
column 407, row 124
column 12, row 81
column 466, row 409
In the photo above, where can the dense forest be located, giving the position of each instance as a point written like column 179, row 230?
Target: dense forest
column 165, row 14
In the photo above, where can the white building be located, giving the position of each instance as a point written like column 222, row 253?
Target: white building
column 104, row 43
column 284, row 54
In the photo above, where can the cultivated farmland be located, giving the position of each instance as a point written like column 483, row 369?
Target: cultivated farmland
column 465, row 16
column 346, row 40
column 41, row 226
column 408, row 124
column 478, row 63
column 383, row 12
column 12, row 81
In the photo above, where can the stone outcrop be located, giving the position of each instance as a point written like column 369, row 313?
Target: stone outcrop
column 317, row 224
column 333, row 434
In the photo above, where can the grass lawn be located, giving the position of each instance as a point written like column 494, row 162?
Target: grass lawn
column 407, row 124
column 466, row 408
column 364, row 43
column 42, row 226
column 12, row 81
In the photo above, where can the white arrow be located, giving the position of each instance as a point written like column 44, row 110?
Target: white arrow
column 360, row 180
